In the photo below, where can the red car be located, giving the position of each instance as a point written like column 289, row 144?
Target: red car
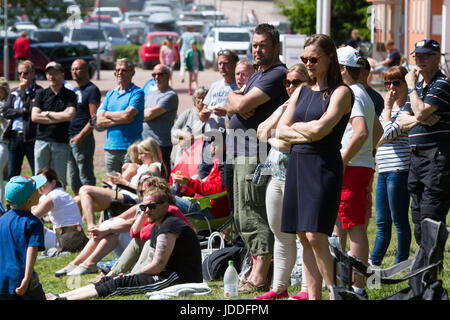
column 148, row 53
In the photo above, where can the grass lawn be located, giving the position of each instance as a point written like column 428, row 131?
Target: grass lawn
column 46, row 268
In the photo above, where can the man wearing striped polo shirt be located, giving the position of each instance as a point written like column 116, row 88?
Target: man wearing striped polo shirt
column 429, row 175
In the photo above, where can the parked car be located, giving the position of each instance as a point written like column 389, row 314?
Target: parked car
column 221, row 38
column 148, row 53
column 135, row 16
column 103, row 18
column 114, row 12
column 197, row 7
column 114, row 34
column 36, row 56
column 162, row 22
column 134, row 31
column 66, row 54
column 46, row 35
column 89, row 36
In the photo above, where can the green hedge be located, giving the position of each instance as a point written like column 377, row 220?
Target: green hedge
column 129, row 51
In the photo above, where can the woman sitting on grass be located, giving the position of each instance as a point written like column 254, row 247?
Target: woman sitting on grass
column 93, row 199
column 58, row 204
column 111, row 235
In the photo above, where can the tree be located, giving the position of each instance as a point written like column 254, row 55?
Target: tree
column 345, row 16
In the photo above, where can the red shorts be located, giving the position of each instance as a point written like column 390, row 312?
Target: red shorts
column 356, row 196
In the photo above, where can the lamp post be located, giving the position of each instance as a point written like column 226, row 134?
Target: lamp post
column 5, row 46
column 98, row 40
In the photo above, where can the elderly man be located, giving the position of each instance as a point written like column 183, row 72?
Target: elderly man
column 21, row 131
column 244, row 69
column 161, row 106
column 429, row 172
column 82, row 143
column 121, row 113
column 53, row 110
column 263, row 93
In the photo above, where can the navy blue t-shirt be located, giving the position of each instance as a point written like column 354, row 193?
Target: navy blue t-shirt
column 18, row 230
column 377, row 99
column 435, row 93
column 243, row 131
column 86, row 94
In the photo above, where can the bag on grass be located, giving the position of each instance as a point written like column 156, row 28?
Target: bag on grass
column 71, row 238
column 215, row 264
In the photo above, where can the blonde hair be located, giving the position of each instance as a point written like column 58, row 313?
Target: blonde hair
column 5, row 86
column 150, row 145
column 301, row 69
column 133, row 152
column 28, row 64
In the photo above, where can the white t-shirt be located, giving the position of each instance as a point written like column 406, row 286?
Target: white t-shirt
column 362, row 107
column 65, row 210
column 135, row 179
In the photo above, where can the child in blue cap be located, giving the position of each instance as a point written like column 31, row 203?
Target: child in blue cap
column 21, row 237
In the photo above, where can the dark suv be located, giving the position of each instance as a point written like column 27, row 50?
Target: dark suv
column 65, row 54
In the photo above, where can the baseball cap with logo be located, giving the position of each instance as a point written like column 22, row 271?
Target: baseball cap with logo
column 20, row 188
column 54, row 65
column 425, row 46
column 349, row 56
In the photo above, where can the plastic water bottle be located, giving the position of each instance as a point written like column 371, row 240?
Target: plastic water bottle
column 230, row 281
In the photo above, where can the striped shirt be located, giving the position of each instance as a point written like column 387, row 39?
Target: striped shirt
column 435, row 93
column 393, row 155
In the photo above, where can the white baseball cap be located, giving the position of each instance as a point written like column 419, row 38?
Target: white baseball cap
column 348, row 56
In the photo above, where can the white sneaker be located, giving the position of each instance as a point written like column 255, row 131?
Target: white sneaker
column 62, row 272
column 82, row 269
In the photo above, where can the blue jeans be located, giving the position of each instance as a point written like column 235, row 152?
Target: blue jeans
column 188, row 207
column 50, row 154
column 392, row 205
column 81, row 163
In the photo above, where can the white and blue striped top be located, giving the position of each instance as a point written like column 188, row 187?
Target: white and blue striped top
column 393, row 155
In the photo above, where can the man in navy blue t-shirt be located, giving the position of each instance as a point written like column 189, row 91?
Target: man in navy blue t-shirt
column 82, row 143
column 263, row 94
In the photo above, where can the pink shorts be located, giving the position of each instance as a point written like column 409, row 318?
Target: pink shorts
column 356, row 196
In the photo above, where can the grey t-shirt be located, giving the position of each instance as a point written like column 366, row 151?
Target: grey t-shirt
column 159, row 128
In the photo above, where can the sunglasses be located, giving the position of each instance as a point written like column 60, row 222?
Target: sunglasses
column 396, row 83
column 150, row 206
column 159, row 74
column 287, row 83
column 23, row 73
column 313, row 60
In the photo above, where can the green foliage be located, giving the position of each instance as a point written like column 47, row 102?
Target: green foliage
column 37, row 9
column 345, row 16
column 126, row 51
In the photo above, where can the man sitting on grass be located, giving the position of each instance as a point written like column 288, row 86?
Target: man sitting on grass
column 174, row 257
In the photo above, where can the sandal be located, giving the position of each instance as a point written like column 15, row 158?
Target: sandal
column 249, row 287
column 64, row 271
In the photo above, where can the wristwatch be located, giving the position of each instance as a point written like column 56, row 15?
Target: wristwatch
column 45, row 113
column 411, row 90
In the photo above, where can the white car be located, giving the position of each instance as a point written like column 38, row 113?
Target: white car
column 221, row 38
column 114, row 12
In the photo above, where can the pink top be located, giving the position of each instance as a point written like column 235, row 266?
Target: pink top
column 168, row 55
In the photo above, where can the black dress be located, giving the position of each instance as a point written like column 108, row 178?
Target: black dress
column 315, row 170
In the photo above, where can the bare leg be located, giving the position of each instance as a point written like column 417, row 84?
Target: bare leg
column 94, row 199
column 313, row 276
column 359, row 248
column 260, row 269
column 341, row 233
column 88, row 249
column 105, row 246
column 81, row 293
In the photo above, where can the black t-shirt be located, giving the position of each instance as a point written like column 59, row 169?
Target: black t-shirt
column 46, row 100
column 186, row 259
column 395, row 57
column 86, row 94
column 377, row 99
column 242, row 132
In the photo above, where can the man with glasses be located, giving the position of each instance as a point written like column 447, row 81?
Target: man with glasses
column 21, row 131
column 161, row 106
column 82, row 143
column 174, row 257
column 215, row 102
column 122, row 114
column 429, row 173
column 53, row 110
column 262, row 95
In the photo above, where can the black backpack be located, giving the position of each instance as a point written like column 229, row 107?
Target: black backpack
column 214, row 265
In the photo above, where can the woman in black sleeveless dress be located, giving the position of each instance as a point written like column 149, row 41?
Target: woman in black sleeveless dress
column 313, row 124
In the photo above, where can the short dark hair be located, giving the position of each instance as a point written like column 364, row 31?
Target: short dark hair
column 353, row 72
column 51, row 175
column 270, row 31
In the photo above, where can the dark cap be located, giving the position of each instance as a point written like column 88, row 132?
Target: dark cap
column 425, row 46
column 54, row 65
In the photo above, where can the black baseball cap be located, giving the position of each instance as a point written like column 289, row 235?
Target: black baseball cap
column 425, row 46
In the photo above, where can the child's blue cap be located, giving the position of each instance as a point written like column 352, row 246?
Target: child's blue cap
column 20, row 188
